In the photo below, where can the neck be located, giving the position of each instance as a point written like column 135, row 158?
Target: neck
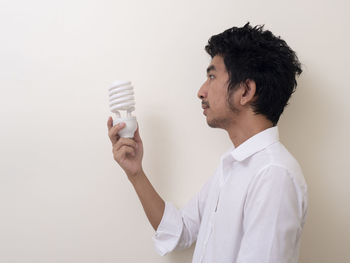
column 241, row 131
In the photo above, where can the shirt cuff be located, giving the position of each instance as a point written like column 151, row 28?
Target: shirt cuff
column 169, row 230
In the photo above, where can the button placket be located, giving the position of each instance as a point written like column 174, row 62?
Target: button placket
column 210, row 224
column 215, row 204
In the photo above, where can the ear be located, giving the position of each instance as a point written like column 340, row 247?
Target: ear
column 248, row 92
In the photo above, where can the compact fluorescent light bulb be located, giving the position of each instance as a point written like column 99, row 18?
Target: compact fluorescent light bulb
column 121, row 98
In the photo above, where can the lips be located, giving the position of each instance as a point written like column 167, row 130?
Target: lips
column 205, row 106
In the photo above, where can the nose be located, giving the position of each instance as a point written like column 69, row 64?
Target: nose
column 202, row 92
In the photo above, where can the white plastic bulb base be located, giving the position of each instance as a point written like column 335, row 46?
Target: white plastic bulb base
column 130, row 126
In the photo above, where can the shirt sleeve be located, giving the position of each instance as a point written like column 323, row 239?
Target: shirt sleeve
column 273, row 218
column 178, row 229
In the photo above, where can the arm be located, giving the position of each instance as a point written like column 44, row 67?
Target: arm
column 273, row 217
column 178, row 229
column 128, row 153
column 174, row 228
column 152, row 203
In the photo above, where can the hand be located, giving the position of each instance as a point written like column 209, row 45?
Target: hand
column 128, row 152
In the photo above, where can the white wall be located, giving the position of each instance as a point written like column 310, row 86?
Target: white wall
column 62, row 196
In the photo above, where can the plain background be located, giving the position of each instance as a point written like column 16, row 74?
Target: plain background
column 62, row 196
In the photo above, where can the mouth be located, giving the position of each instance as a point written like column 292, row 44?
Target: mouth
column 205, row 110
column 205, row 105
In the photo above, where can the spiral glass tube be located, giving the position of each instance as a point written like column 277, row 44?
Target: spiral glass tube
column 121, row 98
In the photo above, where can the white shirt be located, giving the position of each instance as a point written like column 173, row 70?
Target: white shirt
column 252, row 210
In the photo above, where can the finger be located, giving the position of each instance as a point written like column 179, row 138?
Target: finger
column 125, row 142
column 124, row 152
column 110, row 123
column 137, row 137
column 113, row 132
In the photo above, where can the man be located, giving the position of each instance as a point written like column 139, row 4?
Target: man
column 253, row 208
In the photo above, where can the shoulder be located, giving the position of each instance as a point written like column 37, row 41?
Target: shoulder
column 276, row 161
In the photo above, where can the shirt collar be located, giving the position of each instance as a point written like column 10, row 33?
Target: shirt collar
column 255, row 144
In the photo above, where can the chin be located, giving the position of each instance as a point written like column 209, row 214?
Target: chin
column 218, row 123
column 213, row 123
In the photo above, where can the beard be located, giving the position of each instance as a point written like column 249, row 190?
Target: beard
column 218, row 122
column 224, row 122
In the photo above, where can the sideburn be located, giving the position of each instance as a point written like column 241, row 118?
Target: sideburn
column 230, row 102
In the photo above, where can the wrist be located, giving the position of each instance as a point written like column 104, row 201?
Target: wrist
column 134, row 176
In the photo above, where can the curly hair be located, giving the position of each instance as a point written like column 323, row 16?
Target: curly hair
column 253, row 53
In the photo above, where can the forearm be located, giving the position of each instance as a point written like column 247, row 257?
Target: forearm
column 152, row 203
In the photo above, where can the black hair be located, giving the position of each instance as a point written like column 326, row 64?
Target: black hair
column 253, row 53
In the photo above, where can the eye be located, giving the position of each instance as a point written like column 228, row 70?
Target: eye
column 211, row 76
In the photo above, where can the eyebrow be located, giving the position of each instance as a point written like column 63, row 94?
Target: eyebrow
column 210, row 68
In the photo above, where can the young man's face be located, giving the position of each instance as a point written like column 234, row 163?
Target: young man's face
column 213, row 94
